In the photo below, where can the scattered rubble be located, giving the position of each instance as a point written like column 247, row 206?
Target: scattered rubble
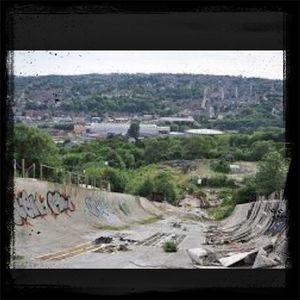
column 244, row 258
column 176, row 225
column 103, row 240
column 258, row 241
column 263, row 261
column 202, row 256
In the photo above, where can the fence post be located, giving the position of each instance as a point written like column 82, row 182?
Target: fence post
column 86, row 181
column 41, row 171
column 78, row 179
column 23, row 167
column 108, row 186
column 15, row 167
column 70, row 178
column 33, row 170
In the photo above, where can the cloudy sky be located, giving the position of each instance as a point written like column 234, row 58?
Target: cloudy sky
column 263, row 64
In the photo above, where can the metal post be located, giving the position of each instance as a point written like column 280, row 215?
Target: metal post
column 77, row 179
column 23, row 167
column 33, row 170
column 70, row 177
column 41, row 171
column 108, row 186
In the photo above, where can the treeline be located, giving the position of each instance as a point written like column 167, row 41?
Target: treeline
column 119, row 153
column 132, row 167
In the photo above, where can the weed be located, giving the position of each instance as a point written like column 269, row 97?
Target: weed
column 170, row 246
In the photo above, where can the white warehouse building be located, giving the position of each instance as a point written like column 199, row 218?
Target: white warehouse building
column 103, row 129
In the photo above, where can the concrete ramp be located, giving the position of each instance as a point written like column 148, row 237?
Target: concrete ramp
column 50, row 216
column 258, row 228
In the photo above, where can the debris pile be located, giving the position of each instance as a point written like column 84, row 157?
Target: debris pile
column 259, row 240
column 110, row 244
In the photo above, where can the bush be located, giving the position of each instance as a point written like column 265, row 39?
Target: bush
column 271, row 175
column 116, row 178
column 221, row 212
column 170, row 246
column 146, row 189
column 227, row 196
column 246, row 194
column 218, row 181
column 221, row 166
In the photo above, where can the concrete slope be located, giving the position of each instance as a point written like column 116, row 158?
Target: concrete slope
column 49, row 216
column 251, row 227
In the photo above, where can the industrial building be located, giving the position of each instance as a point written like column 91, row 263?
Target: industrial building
column 104, row 129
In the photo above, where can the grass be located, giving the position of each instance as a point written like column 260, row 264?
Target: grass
column 170, row 246
column 113, row 228
column 18, row 257
column 220, row 213
column 150, row 220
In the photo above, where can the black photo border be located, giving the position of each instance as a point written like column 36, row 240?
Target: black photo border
column 71, row 25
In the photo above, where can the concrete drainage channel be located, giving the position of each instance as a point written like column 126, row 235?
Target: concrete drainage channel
column 112, row 244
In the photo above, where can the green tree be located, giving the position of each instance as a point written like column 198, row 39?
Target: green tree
column 271, row 174
column 115, row 160
column 247, row 193
column 164, row 185
column 134, row 130
column 261, row 148
column 146, row 189
column 221, row 166
column 72, row 160
column 35, row 146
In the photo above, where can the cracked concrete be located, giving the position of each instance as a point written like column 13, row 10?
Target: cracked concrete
column 123, row 231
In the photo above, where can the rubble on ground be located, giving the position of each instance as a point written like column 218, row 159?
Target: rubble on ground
column 259, row 240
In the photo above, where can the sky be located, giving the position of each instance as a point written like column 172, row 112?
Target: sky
column 262, row 64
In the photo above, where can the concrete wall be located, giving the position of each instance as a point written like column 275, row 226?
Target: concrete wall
column 40, row 201
column 57, row 215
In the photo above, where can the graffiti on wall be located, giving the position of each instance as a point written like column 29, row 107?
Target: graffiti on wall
column 29, row 206
column 124, row 208
column 96, row 207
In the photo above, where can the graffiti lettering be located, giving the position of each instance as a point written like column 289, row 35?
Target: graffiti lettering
column 97, row 208
column 124, row 208
column 33, row 206
column 59, row 203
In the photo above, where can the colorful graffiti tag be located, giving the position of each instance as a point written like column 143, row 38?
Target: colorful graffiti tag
column 29, row 206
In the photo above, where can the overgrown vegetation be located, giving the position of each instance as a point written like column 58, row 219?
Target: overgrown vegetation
column 170, row 246
column 226, row 207
column 161, row 94
column 135, row 167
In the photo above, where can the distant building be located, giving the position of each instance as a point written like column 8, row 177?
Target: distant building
column 178, row 120
column 96, row 119
column 62, row 120
column 105, row 128
column 203, row 131
column 121, row 120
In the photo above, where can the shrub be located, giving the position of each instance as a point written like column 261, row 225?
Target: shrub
column 146, row 189
column 221, row 166
column 272, row 172
column 218, row 181
column 246, row 194
column 170, row 246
